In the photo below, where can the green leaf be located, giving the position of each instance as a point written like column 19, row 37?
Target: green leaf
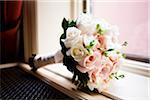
column 92, row 43
column 110, row 50
column 90, row 46
column 64, row 24
column 72, row 24
column 117, row 52
column 116, row 76
column 63, row 36
column 110, row 76
column 99, row 48
column 97, row 27
column 90, row 51
column 106, row 53
column 99, row 30
column 121, row 76
column 124, row 55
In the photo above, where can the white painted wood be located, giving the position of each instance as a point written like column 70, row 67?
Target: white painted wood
column 136, row 67
column 132, row 87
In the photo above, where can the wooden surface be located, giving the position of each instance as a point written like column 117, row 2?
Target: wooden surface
column 132, row 87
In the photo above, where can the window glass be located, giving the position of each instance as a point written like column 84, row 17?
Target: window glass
column 131, row 16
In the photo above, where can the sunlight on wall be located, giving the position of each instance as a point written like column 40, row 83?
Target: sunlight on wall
column 50, row 14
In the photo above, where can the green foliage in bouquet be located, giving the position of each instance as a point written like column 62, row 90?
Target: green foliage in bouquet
column 69, row 61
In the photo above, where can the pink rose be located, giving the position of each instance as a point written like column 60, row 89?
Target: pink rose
column 102, row 41
column 102, row 71
column 108, row 67
column 90, row 62
column 105, row 72
column 115, row 66
column 116, row 62
column 94, row 75
column 99, row 73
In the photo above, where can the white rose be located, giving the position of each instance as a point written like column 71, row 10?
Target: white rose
column 111, row 36
column 109, row 44
column 115, row 30
column 85, row 24
column 87, row 39
column 108, row 33
column 78, row 52
column 104, row 25
column 115, row 39
column 113, row 54
column 112, row 42
column 100, row 85
column 73, row 36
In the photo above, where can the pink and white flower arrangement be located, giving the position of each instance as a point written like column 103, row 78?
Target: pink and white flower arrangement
column 91, row 51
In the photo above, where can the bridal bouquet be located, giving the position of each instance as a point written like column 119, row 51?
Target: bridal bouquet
column 91, row 51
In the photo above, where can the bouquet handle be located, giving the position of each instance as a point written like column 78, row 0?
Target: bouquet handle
column 38, row 61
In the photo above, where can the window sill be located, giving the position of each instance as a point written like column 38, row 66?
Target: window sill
column 136, row 67
column 133, row 86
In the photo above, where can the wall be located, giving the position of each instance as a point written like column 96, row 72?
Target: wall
column 50, row 14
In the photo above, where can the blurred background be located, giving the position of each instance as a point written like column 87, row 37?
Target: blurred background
column 34, row 26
